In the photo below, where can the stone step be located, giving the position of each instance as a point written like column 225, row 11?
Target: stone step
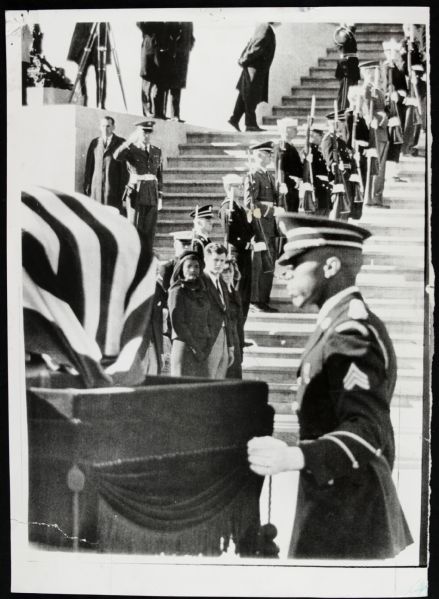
column 305, row 94
column 229, row 136
column 277, row 370
column 322, row 73
column 409, row 356
column 225, row 149
column 321, row 110
column 390, row 28
column 316, row 82
column 366, row 53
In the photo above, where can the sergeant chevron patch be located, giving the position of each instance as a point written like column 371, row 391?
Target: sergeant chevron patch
column 355, row 376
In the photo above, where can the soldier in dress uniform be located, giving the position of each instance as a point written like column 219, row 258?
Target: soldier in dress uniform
column 344, row 164
column 144, row 189
column 288, row 165
column 347, row 506
column 377, row 121
column 260, row 199
column 322, row 188
column 202, row 228
column 238, row 233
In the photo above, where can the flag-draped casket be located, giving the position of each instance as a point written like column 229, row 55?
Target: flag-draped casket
column 88, row 286
column 160, row 467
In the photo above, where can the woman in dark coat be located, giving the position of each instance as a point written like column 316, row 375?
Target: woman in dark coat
column 189, row 313
column 231, row 277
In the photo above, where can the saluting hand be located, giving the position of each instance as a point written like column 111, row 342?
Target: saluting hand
column 268, row 456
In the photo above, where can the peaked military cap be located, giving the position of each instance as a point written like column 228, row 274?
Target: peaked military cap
column 317, row 130
column 369, row 64
column 185, row 237
column 266, row 146
column 203, row 212
column 147, row 125
column 305, row 232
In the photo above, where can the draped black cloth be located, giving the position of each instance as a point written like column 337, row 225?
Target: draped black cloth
column 165, row 465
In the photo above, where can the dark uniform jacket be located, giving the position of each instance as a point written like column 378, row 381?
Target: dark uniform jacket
column 199, row 243
column 142, row 162
column 348, row 65
column 176, row 44
column 344, row 154
column 255, row 61
column 105, row 178
column 347, row 503
column 240, row 231
column 322, row 188
column 80, row 37
column 260, row 193
column 218, row 312
column 287, row 164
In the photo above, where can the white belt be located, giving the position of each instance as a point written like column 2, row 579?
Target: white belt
column 146, row 177
column 267, row 203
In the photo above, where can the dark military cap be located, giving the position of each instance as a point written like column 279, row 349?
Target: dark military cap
column 203, row 212
column 369, row 64
column 316, row 130
column 147, row 125
column 340, row 116
column 305, row 232
column 266, row 146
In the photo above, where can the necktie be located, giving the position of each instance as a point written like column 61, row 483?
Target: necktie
column 220, row 291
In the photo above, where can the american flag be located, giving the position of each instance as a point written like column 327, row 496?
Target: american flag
column 88, row 286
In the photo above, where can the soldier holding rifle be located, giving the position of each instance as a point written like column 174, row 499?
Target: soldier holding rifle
column 321, row 199
column 377, row 121
column 288, row 165
column 238, row 233
column 339, row 164
column 307, row 191
column 260, row 198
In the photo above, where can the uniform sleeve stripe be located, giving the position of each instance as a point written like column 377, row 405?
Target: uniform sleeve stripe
column 359, row 439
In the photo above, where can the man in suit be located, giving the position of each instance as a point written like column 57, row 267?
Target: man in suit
column 152, row 33
column 287, row 164
column 347, row 506
column 104, row 177
column 99, row 56
column 144, row 189
column 260, row 199
column 347, row 71
column 222, row 350
column 252, row 86
column 238, row 234
column 202, row 228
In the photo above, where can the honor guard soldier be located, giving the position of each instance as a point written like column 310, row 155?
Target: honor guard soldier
column 202, row 228
column 347, row 506
column 288, row 165
column 338, row 160
column 238, row 233
column 322, row 188
column 377, row 121
column 144, row 189
column 260, row 199
column 396, row 93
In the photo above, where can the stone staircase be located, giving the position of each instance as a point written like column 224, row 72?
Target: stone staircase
column 392, row 278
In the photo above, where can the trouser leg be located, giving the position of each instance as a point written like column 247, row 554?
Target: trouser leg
column 146, row 97
column 175, row 98
column 239, row 109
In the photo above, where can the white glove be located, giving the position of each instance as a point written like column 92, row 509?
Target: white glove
column 278, row 211
column 159, row 203
column 374, row 123
column 309, row 157
column 306, row 187
column 283, row 188
column 394, row 96
column 259, row 246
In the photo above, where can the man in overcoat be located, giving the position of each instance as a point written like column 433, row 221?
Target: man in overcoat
column 347, row 506
column 255, row 61
column 144, row 189
column 105, row 178
column 99, row 56
column 152, row 34
column 347, row 71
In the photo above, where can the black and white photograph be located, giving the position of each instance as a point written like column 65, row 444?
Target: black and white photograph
column 220, row 301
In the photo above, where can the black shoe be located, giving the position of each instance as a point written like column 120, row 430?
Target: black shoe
column 256, row 128
column 256, row 308
column 400, row 180
column 268, row 308
column 249, row 343
column 414, row 152
column 234, row 124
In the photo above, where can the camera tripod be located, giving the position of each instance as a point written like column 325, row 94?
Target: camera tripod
column 102, row 39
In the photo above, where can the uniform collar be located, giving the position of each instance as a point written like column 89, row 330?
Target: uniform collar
column 334, row 300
